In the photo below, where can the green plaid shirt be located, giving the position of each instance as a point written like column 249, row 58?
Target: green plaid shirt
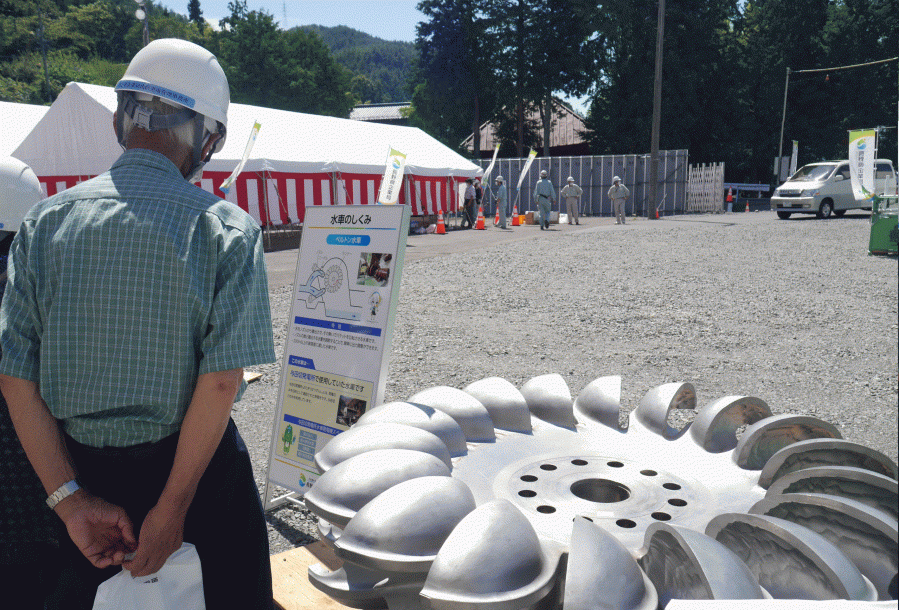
column 125, row 288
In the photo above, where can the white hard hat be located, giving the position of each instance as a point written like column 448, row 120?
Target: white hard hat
column 19, row 190
column 570, row 179
column 616, row 179
column 543, row 173
column 499, row 179
column 182, row 74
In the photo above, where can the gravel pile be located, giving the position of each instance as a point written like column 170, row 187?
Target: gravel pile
column 793, row 312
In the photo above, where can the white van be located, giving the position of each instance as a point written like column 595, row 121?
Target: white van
column 825, row 188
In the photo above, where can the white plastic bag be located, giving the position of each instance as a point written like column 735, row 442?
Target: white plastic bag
column 178, row 585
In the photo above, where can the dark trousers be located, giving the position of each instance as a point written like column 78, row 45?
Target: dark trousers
column 225, row 520
column 468, row 214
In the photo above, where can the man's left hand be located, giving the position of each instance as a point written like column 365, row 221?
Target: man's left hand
column 160, row 535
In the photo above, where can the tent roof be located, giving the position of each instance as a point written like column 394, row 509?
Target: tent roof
column 81, row 120
column 18, row 120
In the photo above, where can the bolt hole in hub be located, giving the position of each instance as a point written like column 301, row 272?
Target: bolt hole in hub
column 600, row 490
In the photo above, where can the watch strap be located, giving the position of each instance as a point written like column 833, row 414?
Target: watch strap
column 65, row 490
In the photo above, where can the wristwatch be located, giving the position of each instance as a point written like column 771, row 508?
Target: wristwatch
column 62, row 493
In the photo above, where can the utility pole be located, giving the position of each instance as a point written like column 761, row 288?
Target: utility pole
column 40, row 16
column 143, row 14
column 656, row 117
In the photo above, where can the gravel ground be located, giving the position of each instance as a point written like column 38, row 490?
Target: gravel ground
column 793, row 312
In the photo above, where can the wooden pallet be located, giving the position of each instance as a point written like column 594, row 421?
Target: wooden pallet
column 290, row 580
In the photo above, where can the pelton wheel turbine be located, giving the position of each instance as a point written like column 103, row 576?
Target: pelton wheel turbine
column 495, row 498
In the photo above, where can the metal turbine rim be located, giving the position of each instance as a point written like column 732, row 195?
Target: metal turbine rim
column 540, row 465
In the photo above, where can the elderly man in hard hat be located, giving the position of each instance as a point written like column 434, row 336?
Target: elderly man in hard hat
column 618, row 193
column 544, row 196
column 572, row 194
column 502, row 199
column 133, row 302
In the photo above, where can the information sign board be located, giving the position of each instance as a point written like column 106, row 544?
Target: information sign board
column 339, row 332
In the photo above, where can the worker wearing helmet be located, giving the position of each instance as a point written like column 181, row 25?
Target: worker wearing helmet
column 618, row 193
column 133, row 302
column 502, row 199
column 572, row 194
column 544, row 196
column 27, row 528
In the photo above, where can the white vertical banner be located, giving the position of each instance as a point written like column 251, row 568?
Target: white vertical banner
column 527, row 166
column 486, row 176
column 794, row 158
column 861, row 162
column 226, row 185
column 393, row 178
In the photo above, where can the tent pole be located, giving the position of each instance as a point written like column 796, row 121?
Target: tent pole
column 267, row 228
column 333, row 188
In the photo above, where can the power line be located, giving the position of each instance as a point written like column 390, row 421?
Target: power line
column 870, row 63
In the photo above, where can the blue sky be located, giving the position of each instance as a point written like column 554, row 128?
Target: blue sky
column 387, row 19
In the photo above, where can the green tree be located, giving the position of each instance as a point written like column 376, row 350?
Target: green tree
column 563, row 54
column 513, row 25
column 287, row 70
column 698, row 108
column 454, row 69
column 195, row 13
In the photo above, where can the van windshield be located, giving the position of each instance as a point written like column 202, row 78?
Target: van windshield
column 812, row 173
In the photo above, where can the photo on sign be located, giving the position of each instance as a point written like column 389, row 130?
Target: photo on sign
column 374, row 269
column 349, row 410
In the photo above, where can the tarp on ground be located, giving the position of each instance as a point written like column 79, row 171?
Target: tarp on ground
column 18, row 120
column 298, row 159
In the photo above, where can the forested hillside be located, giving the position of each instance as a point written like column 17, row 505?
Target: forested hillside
column 382, row 68
column 44, row 44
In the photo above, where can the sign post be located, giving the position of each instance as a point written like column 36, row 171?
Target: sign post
column 339, row 333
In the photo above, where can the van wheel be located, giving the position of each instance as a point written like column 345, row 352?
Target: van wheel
column 783, row 215
column 839, row 213
column 826, row 208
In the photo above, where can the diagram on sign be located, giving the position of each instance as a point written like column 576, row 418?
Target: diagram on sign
column 329, row 285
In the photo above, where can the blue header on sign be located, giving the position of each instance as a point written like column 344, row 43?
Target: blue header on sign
column 348, row 240
column 340, row 326
column 298, row 421
column 305, row 363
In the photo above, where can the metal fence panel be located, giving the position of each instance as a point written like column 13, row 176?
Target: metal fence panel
column 594, row 175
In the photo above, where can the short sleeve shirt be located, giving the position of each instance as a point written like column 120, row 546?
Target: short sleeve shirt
column 123, row 290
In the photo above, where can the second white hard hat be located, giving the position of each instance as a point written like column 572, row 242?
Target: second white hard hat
column 19, row 190
column 543, row 173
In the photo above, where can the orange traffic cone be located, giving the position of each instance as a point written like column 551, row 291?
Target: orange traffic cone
column 747, row 205
column 515, row 220
column 496, row 219
column 441, row 228
column 479, row 225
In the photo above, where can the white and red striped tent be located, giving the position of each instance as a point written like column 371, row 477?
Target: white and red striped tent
column 297, row 160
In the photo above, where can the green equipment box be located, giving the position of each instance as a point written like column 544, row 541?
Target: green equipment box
column 884, row 232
